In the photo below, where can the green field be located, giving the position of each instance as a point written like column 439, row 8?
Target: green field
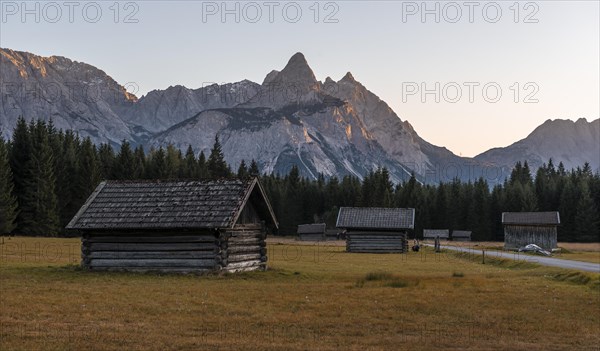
column 313, row 297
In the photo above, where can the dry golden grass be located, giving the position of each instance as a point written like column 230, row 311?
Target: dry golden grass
column 314, row 297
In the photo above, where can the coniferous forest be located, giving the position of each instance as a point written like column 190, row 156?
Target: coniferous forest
column 47, row 174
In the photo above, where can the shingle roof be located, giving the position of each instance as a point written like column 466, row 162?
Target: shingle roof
column 317, row 228
column 376, row 218
column 169, row 204
column 531, row 218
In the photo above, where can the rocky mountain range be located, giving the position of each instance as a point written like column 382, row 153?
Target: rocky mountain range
column 291, row 118
column 571, row 142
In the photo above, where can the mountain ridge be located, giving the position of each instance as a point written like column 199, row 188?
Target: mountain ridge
column 330, row 127
column 571, row 142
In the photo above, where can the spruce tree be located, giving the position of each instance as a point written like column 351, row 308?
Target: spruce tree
column 89, row 171
column 441, row 207
column 106, row 158
column 20, row 153
column 478, row 220
column 253, row 171
column 217, row 166
column 40, row 210
column 529, row 200
column 191, row 165
column 497, row 206
column 242, row 170
column 8, row 201
column 569, row 199
column 586, row 216
column 64, row 150
column 158, row 164
column 139, row 161
column 202, row 166
column 173, row 162
column 125, row 162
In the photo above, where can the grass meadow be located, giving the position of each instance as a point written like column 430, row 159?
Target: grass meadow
column 313, row 297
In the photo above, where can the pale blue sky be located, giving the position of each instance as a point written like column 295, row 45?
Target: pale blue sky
column 172, row 44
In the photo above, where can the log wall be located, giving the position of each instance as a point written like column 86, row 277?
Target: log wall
column 246, row 248
column 376, row 242
column 240, row 249
column 516, row 236
column 152, row 252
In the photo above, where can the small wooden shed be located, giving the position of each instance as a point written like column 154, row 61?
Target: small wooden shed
column 523, row 228
column 431, row 234
column 376, row 230
column 333, row 234
column 461, row 235
column 175, row 226
column 311, row 232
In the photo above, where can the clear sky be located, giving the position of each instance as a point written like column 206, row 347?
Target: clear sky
column 396, row 49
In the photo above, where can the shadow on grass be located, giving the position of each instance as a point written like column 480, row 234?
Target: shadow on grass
column 73, row 272
column 386, row 279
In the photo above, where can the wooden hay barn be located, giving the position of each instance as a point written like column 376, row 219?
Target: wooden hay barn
column 376, row 230
column 175, row 226
column 431, row 234
column 461, row 235
column 523, row 228
column 311, row 232
column 333, row 234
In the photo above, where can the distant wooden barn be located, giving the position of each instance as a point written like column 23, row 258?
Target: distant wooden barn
column 523, row 228
column 431, row 234
column 376, row 230
column 461, row 235
column 311, row 232
column 333, row 234
column 175, row 226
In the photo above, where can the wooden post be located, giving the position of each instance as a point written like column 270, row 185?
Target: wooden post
column 483, row 256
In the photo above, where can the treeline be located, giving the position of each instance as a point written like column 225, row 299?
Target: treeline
column 47, row 174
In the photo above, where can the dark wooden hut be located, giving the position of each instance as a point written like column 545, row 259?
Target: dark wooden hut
column 311, row 232
column 376, row 230
column 523, row 228
column 175, row 226
column 461, row 235
column 333, row 234
column 431, row 234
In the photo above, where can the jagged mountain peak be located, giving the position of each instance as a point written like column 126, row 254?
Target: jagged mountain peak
column 349, row 78
column 297, row 70
column 298, row 59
